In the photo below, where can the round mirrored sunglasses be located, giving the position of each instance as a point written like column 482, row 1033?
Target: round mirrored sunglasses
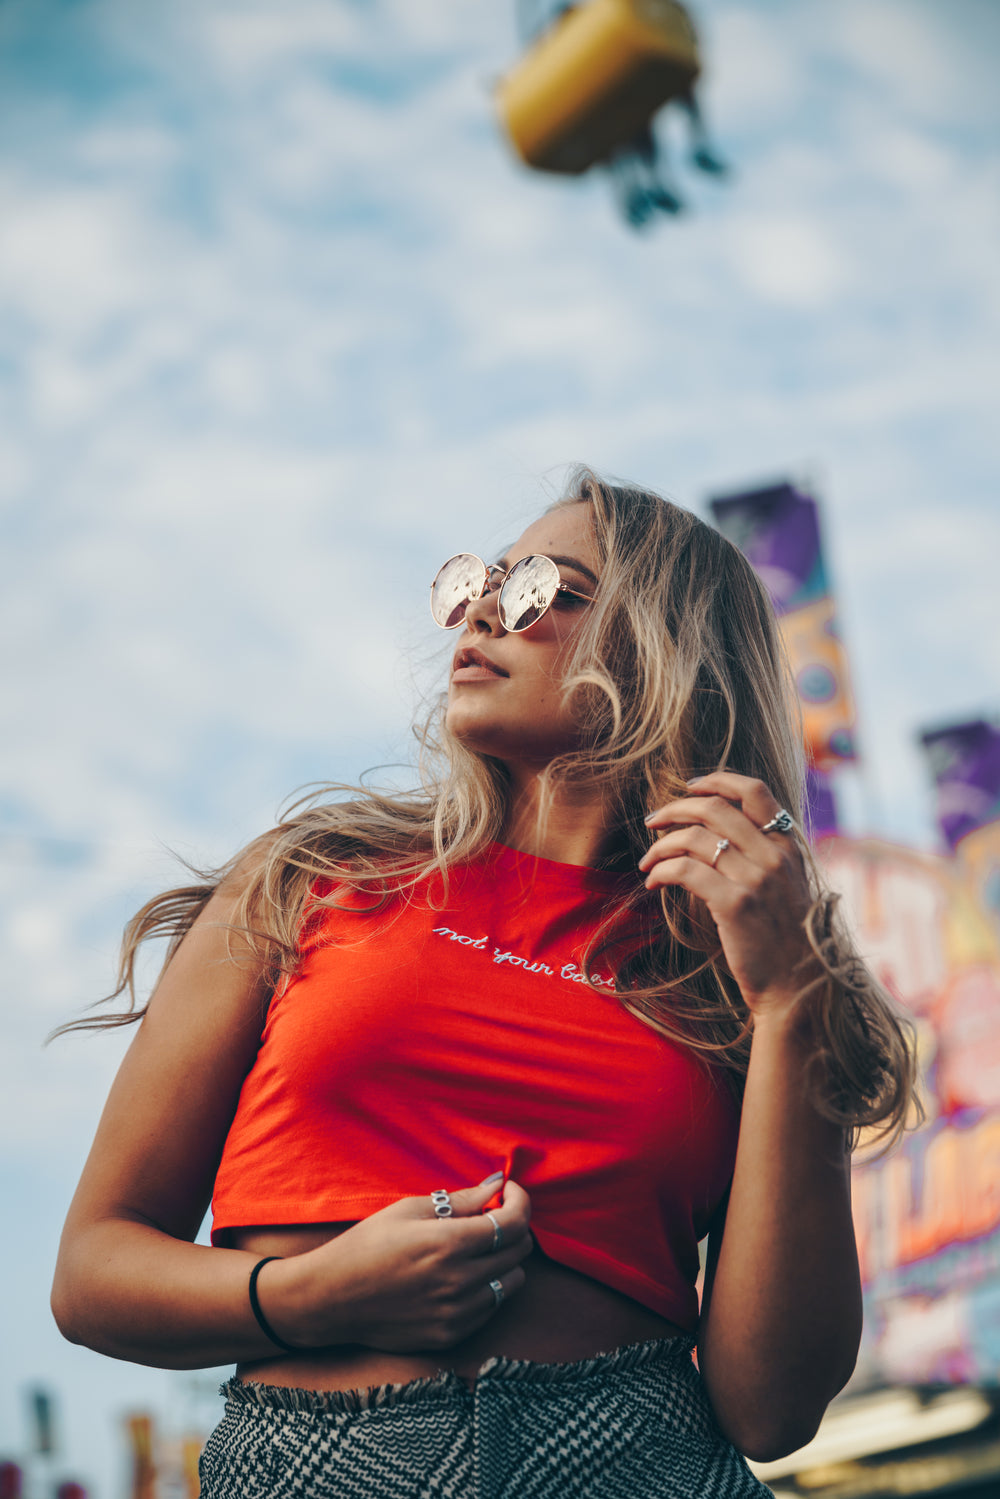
column 525, row 591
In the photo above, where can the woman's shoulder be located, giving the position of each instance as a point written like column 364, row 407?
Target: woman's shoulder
column 250, row 864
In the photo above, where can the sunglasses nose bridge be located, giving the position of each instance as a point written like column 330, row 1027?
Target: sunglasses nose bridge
column 484, row 612
column 522, row 594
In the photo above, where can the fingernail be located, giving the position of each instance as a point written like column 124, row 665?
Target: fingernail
column 695, row 781
column 649, row 819
column 496, row 1177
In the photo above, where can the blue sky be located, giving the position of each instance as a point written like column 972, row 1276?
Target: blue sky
column 282, row 325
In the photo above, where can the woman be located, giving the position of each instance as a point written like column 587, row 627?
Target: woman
column 584, row 979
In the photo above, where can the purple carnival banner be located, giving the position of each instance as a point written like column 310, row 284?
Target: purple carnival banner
column 778, row 531
column 965, row 764
column 821, row 805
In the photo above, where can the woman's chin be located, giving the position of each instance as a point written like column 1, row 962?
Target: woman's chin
column 480, row 742
column 473, row 730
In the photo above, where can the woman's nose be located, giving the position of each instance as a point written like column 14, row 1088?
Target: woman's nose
column 482, row 616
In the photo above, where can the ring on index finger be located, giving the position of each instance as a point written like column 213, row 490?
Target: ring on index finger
column 497, row 1233
column 496, row 1287
column 781, row 822
column 442, row 1204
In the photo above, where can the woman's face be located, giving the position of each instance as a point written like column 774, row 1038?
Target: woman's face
column 505, row 694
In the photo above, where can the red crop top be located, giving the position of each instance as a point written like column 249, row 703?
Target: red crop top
column 422, row 1048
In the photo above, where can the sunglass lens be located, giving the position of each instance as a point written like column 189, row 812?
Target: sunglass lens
column 459, row 582
column 530, row 587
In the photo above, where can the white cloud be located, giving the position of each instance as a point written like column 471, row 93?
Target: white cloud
column 909, row 52
column 140, row 149
column 753, row 67
column 70, row 259
column 244, row 40
column 788, row 260
column 910, row 160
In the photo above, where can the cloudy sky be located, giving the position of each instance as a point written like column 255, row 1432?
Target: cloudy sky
column 282, row 324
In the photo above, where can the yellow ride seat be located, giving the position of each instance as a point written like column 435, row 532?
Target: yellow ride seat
column 595, row 79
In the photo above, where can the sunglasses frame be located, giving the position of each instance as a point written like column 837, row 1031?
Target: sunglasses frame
column 488, row 572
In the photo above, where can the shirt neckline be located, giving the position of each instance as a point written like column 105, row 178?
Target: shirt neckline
column 555, row 873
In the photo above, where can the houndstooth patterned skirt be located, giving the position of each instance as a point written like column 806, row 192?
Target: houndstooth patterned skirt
column 633, row 1424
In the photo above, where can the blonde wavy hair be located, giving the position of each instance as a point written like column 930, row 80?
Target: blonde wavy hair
column 678, row 670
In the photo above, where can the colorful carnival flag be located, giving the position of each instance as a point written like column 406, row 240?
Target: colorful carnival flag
column 190, row 1455
column 821, row 805
column 139, row 1429
column 979, row 856
column 965, row 764
column 43, row 1421
column 778, row 531
column 11, row 1481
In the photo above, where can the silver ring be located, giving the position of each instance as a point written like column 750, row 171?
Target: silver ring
column 497, row 1233
column 497, row 1290
column 442, row 1204
column 720, row 848
column 781, row 822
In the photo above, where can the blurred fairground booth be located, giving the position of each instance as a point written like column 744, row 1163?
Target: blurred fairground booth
column 922, row 1412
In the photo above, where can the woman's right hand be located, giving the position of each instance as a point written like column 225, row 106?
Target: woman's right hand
column 402, row 1280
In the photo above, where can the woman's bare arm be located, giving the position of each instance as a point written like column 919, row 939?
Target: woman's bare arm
column 782, row 1319
column 129, row 1281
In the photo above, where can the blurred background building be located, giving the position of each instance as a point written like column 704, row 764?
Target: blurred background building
column 922, row 1412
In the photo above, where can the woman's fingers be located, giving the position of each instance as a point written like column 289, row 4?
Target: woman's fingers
column 727, row 806
column 510, row 1283
column 466, row 1201
column 754, row 884
column 723, row 788
column 716, row 814
column 705, row 844
column 477, row 1307
column 473, row 1273
column 450, row 1204
column 695, row 875
column 756, row 799
column 417, row 1280
column 483, row 1302
column 474, row 1230
column 515, row 1202
column 514, row 1212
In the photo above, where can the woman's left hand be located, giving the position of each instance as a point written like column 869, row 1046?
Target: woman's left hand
column 754, row 884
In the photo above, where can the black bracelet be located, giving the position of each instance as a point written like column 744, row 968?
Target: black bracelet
column 262, row 1321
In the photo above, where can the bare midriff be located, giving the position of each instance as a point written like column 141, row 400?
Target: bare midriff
column 558, row 1316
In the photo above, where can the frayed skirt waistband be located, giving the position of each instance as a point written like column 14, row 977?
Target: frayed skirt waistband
column 632, row 1421
column 447, row 1386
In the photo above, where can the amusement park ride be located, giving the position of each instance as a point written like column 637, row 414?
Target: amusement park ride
column 586, row 90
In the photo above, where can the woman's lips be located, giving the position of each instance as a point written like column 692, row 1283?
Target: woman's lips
column 475, row 674
column 473, row 666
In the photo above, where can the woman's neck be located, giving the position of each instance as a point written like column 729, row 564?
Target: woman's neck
column 576, row 828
